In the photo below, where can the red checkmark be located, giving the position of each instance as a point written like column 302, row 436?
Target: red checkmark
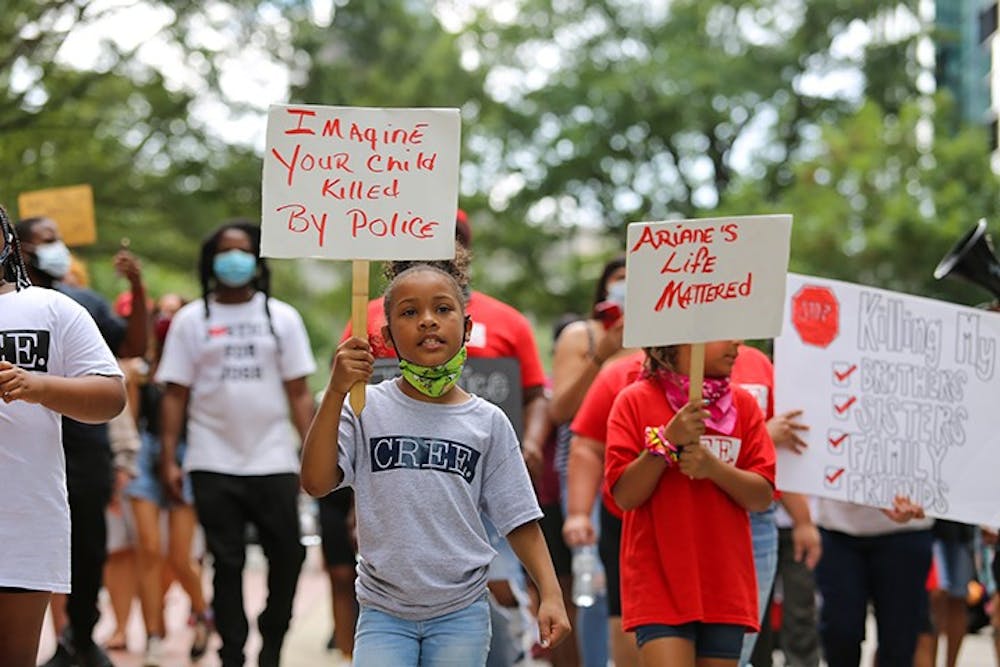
column 846, row 374
column 841, row 409
column 836, row 442
column 831, row 478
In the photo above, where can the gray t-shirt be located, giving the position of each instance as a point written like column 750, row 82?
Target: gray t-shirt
column 421, row 473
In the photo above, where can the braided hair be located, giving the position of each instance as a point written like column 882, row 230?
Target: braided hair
column 456, row 269
column 12, row 264
column 261, row 280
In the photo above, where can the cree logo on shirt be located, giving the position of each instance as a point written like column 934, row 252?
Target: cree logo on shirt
column 393, row 452
column 27, row 348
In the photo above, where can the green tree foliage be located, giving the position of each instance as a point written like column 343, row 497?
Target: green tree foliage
column 884, row 198
column 161, row 177
column 611, row 111
column 579, row 116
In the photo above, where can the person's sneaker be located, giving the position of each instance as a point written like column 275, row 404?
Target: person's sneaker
column 202, row 631
column 63, row 657
column 154, row 652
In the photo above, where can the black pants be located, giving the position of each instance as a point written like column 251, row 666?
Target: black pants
column 89, row 488
column 889, row 569
column 225, row 504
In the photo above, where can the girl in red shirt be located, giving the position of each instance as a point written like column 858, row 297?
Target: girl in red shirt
column 686, row 474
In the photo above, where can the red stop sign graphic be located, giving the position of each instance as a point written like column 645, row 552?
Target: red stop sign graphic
column 816, row 315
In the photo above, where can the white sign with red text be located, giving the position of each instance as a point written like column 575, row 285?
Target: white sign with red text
column 695, row 281
column 360, row 183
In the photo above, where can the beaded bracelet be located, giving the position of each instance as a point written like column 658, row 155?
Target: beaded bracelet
column 658, row 444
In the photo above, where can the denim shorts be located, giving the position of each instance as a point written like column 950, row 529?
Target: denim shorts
column 956, row 566
column 147, row 484
column 711, row 640
column 458, row 639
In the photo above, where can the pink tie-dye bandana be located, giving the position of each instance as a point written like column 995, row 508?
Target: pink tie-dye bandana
column 716, row 391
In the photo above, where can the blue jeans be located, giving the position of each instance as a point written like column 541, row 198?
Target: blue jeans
column 764, row 534
column 890, row 570
column 458, row 639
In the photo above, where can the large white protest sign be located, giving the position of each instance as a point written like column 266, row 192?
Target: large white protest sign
column 695, row 281
column 901, row 395
column 360, row 183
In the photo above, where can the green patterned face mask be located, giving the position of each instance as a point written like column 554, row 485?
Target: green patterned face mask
column 434, row 381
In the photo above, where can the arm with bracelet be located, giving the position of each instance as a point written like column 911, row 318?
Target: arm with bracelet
column 641, row 476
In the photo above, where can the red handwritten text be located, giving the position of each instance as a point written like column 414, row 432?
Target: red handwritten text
column 684, row 295
column 358, row 189
column 423, row 162
column 681, row 235
column 300, row 220
column 699, row 261
column 372, row 136
column 302, row 114
column 395, row 226
column 300, row 161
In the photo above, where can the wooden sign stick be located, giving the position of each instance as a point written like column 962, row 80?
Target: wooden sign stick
column 359, row 322
column 696, row 373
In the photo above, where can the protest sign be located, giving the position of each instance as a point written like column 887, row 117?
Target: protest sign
column 359, row 183
column 71, row 208
column 696, row 281
column 900, row 394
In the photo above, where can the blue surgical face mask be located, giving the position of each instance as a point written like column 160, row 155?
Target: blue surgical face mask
column 53, row 259
column 234, row 268
column 616, row 293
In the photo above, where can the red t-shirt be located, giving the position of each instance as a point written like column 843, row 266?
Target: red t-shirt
column 591, row 419
column 686, row 552
column 498, row 330
column 752, row 371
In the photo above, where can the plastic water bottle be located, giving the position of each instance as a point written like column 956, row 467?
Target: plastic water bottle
column 308, row 520
column 585, row 576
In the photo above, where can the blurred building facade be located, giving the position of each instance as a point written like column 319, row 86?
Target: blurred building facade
column 968, row 59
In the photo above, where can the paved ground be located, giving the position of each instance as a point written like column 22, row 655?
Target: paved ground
column 305, row 645
column 311, row 626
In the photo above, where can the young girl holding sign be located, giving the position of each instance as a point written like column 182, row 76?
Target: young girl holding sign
column 424, row 458
column 686, row 473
